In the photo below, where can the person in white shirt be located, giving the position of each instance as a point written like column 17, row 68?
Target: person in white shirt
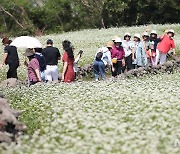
column 127, row 45
column 102, row 59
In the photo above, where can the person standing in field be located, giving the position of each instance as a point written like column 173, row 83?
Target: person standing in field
column 153, row 40
column 33, row 67
column 102, row 59
column 76, row 61
column 10, row 58
column 127, row 45
column 118, row 57
column 51, row 55
column 166, row 44
column 145, row 41
column 42, row 62
column 68, row 74
column 139, row 54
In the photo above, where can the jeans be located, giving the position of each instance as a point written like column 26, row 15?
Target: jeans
column 43, row 76
column 99, row 68
column 117, row 68
column 12, row 72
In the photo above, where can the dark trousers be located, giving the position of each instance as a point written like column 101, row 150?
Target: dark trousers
column 12, row 72
column 128, row 63
column 117, row 68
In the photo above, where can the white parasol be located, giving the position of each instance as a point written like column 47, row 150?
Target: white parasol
column 26, row 42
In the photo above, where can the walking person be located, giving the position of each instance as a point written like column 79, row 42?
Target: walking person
column 68, row 74
column 10, row 58
column 33, row 67
column 153, row 40
column 102, row 59
column 51, row 55
column 42, row 62
column 118, row 57
column 127, row 45
column 139, row 54
column 166, row 44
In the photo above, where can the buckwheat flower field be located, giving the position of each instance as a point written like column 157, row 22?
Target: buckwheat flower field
column 128, row 116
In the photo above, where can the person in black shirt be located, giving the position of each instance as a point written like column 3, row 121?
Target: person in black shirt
column 51, row 55
column 153, row 40
column 10, row 58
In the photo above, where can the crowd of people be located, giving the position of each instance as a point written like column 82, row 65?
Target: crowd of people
column 42, row 64
column 120, row 55
column 124, row 55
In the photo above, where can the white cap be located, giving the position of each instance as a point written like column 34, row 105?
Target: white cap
column 103, row 49
column 153, row 32
column 118, row 40
column 171, row 31
column 137, row 35
column 127, row 34
column 145, row 34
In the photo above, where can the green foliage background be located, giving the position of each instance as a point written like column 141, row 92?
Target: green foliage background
column 55, row 16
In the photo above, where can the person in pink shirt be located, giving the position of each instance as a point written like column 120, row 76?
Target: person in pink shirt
column 117, row 55
column 32, row 67
column 166, row 44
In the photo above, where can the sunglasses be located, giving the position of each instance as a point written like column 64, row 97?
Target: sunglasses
column 127, row 36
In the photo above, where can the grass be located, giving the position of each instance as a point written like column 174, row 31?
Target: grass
column 89, row 41
column 113, row 116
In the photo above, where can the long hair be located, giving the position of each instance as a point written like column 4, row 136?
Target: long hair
column 67, row 46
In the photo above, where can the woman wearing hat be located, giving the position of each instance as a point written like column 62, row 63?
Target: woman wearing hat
column 33, row 67
column 166, row 44
column 127, row 45
column 139, row 54
column 145, row 41
column 117, row 55
column 153, row 40
column 102, row 59
column 10, row 58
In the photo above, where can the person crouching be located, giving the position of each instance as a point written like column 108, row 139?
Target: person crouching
column 102, row 59
column 32, row 67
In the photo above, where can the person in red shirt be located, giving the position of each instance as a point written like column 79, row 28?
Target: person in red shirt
column 117, row 53
column 68, row 74
column 166, row 44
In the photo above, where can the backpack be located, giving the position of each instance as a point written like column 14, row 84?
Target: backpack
column 99, row 56
column 42, row 62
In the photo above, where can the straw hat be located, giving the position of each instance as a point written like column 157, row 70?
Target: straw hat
column 118, row 40
column 137, row 35
column 114, row 38
column 153, row 32
column 29, row 52
column 110, row 44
